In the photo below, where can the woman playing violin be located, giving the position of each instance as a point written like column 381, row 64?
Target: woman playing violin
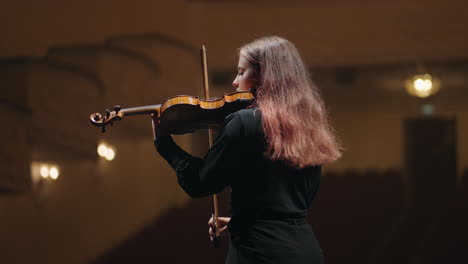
column 270, row 154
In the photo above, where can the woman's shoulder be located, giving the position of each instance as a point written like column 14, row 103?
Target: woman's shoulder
column 245, row 116
column 245, row 121
column 249, row 112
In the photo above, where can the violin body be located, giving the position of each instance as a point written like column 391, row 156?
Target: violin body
column 185, row 114
column 182, row 114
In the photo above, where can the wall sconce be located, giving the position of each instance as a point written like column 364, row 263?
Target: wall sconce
column 49, row 172
column 422, row 85
column 44, row 171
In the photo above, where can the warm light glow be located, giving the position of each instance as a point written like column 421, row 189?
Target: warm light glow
column 102, row 150
column 422, row 85
column 54, row 173
column 44, row 172
column 106, row 152
column 41, row 171
column 110, row 154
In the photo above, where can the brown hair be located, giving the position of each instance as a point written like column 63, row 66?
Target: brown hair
column 294, row 118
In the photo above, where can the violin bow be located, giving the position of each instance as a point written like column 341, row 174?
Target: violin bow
column 217, row 238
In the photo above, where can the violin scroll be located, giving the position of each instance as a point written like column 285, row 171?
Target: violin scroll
column 109, row 118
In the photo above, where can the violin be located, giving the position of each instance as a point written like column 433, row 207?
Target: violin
column 183, row 113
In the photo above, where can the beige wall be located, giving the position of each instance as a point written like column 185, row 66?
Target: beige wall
column 31, row 27
column 89, row 208
column 374, row 140
column 371, row 140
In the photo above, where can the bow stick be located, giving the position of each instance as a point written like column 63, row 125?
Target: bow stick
column 217, row 238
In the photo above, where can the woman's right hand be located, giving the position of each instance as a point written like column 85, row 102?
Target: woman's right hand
column 222, row 221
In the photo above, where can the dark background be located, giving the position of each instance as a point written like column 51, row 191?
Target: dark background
column 398, row 194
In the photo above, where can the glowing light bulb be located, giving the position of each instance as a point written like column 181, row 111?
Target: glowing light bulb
column 110, row 155
column 422, row 85
column 54, row 173
column 44, row 172
column 102, row 150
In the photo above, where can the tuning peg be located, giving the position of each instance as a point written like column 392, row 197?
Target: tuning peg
column 107, row 113
column 97, row 117
column 117, row 108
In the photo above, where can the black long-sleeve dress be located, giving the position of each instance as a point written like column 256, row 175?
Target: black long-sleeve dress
column 269, row 199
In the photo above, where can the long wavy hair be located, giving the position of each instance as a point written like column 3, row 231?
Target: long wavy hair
column 294, row 117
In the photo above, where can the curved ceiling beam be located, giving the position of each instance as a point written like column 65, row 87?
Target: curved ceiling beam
column 26, row 111
column 143, row 60
column 56, row 65
column 161, row 38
